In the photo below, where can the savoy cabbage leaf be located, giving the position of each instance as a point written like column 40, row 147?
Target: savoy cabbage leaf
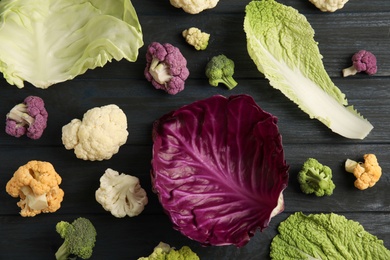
column 325, row 236
column 281, row 43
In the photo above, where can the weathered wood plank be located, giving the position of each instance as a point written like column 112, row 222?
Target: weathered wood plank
column 81, row 178
column 143, row 104
column 132, row 238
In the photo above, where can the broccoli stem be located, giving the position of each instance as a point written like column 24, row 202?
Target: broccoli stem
column 62, row 252
column 229, row 82
column 317, row 178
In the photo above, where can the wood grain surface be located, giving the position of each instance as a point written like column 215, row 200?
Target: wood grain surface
column 361, row 24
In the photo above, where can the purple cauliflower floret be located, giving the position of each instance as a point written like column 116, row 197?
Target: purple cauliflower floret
column 166, row 67
column 363, row 61
column 27, row 118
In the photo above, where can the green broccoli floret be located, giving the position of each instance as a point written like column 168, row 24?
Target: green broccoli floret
column 316, row 178
column 164, row 252
column 79, row 239
column 220, row 69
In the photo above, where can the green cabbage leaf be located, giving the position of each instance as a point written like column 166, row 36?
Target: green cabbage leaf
column 325, row 236
column 281, row 43
column 45, row 42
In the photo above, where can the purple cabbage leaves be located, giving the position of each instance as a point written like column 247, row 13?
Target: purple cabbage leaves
column 218, row 168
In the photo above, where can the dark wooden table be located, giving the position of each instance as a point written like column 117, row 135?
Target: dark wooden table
column 361, row 24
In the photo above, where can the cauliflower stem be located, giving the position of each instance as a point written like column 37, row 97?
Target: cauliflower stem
column 35, row 202
column 19, row 114
column 159, row 71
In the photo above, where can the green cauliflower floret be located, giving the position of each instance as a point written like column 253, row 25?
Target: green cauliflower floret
column 195, row 37
column 163, row 251
column 79, row 239
column 220, row 69
column 316, row 178
column 184, row 253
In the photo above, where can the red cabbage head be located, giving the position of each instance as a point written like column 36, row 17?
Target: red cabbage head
column 218, row 169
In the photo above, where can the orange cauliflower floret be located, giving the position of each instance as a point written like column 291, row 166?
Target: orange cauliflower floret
column 37, row 185
column 367, row 173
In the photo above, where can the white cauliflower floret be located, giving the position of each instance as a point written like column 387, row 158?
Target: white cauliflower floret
column 98, row 135
column 194, row 6
column 121, row 194
column 329, row 5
